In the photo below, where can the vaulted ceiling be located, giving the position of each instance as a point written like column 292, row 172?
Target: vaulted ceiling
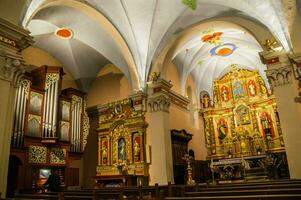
column 132, row 33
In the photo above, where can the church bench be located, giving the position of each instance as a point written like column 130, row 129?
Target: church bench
column 292, row 185
column 245, row 192
column 248, row 197
column 37, row 196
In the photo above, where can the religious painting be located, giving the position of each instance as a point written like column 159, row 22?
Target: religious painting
column 225, row 93
column 242, row 114
column 121, row 150
column 267, row 124
column 137, row 144
column 222, row 128
column 35, row 103
column 252, row 88
column 238, row 89
column 104, row 151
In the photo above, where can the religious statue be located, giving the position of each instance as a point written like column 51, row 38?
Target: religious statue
column 222, row 129
column 136, row 150
column 252, row 88
column 225, row 93
column 121, row 149
column 155, row 76
column 206, row 101
column 104, row 153
column 266, row 124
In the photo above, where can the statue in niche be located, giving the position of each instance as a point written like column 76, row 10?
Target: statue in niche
column 104, row 153
column 136, row 149
column 238, row 89
column 266, row 123
column 121, row 150
column 252, row 87
column 242, row 115
column 225, row 93
column 206, row 101
column 222, row 129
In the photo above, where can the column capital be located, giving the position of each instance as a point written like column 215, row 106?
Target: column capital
column 296, row 62
column 279, row 68
column 159, row 99
column 13, row 39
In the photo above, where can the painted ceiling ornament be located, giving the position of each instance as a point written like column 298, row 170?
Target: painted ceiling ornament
column 213, row 38
column 223, row 50
column 190, row 3
column 64, row 33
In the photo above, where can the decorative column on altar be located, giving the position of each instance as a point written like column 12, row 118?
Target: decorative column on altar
column 12, row 40
column 284, row 84
column 159, row 138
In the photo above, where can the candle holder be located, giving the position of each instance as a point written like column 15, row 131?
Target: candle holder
column 188, row 159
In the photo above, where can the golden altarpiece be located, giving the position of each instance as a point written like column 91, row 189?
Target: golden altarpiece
column 121, row 144
column 242, row 125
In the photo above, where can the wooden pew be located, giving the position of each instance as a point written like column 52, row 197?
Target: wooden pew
column 248, row 197
column 37, row 196
column 245, row 192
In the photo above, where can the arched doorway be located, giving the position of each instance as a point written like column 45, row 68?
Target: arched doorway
column 13, row 172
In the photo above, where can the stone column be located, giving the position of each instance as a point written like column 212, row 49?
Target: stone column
column 284, row 86
column 158, row 132
column 11, row 70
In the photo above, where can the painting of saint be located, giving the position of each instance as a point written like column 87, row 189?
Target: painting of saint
column 242, row 115
column 121, row 149
column 238, row 90
column 225, row 93
column 252, row 87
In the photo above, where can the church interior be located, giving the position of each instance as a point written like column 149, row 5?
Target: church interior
column 156, row 99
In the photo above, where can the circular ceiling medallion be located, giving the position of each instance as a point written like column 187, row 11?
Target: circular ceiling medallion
column 64, row 33
column 223, row 50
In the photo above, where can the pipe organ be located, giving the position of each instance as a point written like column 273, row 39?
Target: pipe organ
column 50, row 125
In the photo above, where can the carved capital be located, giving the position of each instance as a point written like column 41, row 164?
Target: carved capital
column 279, row 76
column 11, row 70
column 279, row 66
column 159, row 103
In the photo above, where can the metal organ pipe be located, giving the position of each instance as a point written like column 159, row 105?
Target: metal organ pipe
column 73, row 128
column 51, row 110
column 23, row 103
column 17, row 115
column 55, row 107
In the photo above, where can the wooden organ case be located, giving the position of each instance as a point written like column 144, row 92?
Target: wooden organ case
column 121, row 144
column 50, row 128
column 242, row 127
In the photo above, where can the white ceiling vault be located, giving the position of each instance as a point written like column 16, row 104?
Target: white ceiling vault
column 146, row 26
